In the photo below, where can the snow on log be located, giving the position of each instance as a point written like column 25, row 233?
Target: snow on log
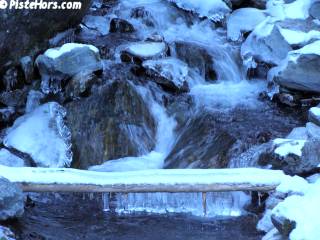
column 170, row 180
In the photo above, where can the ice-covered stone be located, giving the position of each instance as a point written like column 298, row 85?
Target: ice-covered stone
column 212, row 9
column 6, row 234
column 300, row 70
column 9, row 159
column 11, row 200
column 43, row 135
column 98, row 23
column 314, row 115
column 170, row 72
column 243, row 20
column 58, row 64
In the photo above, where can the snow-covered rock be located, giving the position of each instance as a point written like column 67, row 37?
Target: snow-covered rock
column 313, row 131
column 212, row 9
column 11, row 200
column 298, row 133
column 9, row 159
column 169, row 72
column 243, row 20
column 43, row 135
column 98, row 23
column 58, row 64
column 265, row 44
column 301, row 210
column 140, row 51
column 300, row 70
column 314, row 115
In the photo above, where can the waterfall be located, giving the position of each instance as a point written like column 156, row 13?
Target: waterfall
column 231, row 90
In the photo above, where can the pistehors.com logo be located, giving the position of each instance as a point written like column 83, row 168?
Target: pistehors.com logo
column 39, row 4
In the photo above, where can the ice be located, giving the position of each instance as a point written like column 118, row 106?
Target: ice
column 299, row 37
column 289, row 146
column 10, row 160
column 315, row 111
column 43, row 135
column 243, row 20
column 57, row 52
column 213, row 9
column 303, row 209
column 147, row 49
column 298, row 9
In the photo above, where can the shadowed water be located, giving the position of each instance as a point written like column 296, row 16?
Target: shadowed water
column 70, row 218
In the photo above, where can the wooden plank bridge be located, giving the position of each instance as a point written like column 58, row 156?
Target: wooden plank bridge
column 169, row 180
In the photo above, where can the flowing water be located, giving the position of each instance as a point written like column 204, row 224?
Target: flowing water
column 232, row 100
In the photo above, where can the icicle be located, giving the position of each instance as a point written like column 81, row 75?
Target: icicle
column 204, row 203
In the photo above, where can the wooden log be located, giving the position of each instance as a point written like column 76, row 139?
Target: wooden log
column 144, row 188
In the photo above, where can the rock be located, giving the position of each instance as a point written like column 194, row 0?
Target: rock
column 197, row 57
column 12, row 79
column 7, row 116
column 200, row 145
column 27, row 67
column 42, row 135
column 80, row 84
column 265, row 44
column 283, row 225
column 242, row 21
column 273, row 234
column 97, row 23
column 33, row 28
column 9, row 159
column 261, row 4
column 118, row 25
column 298, row 133
column 313, row 131
column 11, row 200
column 141, row 51
column 300, row 71
column 294, row 157
column 15, row 99
column 314, row 115
column 6, row 234
column 143, row 14
column 59, row 64
column 213, row 10
column 315, row 10
column 169, row 72
column 114, row 122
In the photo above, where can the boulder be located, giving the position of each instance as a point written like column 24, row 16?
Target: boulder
column 33, row 28
column 200, row 145
column 265, row 44
column 7, row 116
column 141, row 51
column 43, row 136
column 11, row 200
column 169, row 72
column 300, row 70
column 198, row 58
column 9, row 159
column 314, row 115
column 15, row 99
column 97, row 23
column 242, row 21
column 283, row 225
column 114, row 122
column 118, row 25
column 59, row 64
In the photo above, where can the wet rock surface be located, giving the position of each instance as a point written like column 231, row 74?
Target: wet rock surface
column 112, row 123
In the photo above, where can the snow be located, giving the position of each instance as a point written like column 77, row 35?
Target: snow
column 298, row 9
column 303, row 209
column 43, row 135
column 146, row 49
column 299, row 37
column 40, row 175
column 243, row 20
column 10, row 160
column 213, row 9
column 170, row 68
column 315, row 111
column 284, row 147
column 68, row 47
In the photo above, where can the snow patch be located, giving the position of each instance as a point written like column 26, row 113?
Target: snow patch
column 68, row 47
column 288, row 146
